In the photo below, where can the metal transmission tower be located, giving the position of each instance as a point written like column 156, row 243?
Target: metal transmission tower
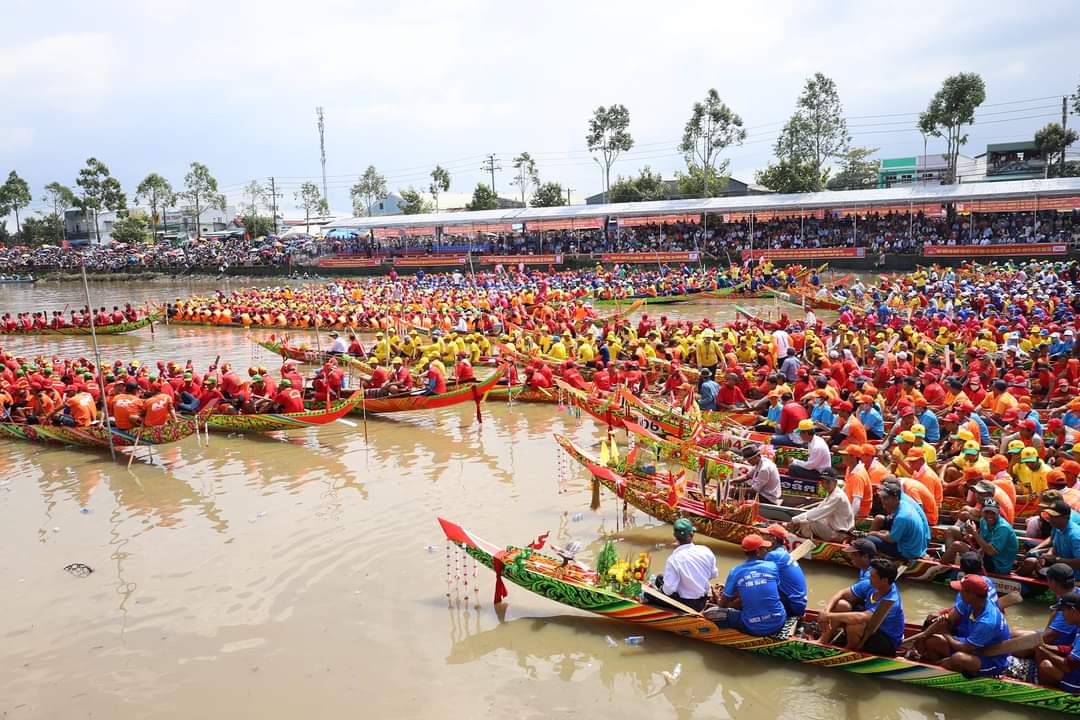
column 490, row 166
column 322, row 151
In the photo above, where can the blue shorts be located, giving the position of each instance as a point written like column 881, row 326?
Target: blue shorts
column 883, row 546
column 992, row 666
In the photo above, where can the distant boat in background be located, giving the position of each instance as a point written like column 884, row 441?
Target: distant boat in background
column 16, row 279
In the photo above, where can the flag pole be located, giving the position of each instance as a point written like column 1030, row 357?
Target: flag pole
column 97, row 360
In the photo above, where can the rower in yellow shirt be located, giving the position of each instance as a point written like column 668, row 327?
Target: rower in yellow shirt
column 1031, row 472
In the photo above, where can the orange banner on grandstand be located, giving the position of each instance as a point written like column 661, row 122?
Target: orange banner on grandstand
column 992, row 250
column 515, row 259
column 345, row 261
column 805, row 253
column 1024, row 205
column 774, row 215
column 658, row 220
column 420, row 231
column 650, row 257
column 573, row 224
column 430, row 260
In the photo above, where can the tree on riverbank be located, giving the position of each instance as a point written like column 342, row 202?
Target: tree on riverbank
column 202, row 193
column 99, row 191
column 14, row 195
column 158, row 193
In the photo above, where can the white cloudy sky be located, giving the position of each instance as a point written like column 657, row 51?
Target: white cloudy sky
column 150, row 85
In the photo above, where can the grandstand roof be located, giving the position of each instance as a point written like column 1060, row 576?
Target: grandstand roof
column 895, row 196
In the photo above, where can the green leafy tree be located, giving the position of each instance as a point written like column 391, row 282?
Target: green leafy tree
column 1053, row 140
column 483, row 198
column 819, row 127
column 14, row 195
column 99, row 192
column 549, row 194
column 41, row 231
column 309, row 198
column 133, row 229
column 857, row 171
column 258, row 225
column 951, row 108
column 369, row 189
column 413, row 203
column 692, row 182
column 789, row 175
column 158, row 193
column 712, row 127
column 60, row 197
column 608, row 135
column 255, row 194
column 440, row 183
column 527, row 175
column 201, row 190
column 645, row 187
column 794, row 171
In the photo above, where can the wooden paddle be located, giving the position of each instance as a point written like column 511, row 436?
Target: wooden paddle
column 803, row 550
column 138, row 437
column 1025, row 641
column 650, row 590
column 876, row 619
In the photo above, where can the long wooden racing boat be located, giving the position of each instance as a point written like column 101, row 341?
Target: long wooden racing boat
column 114, row 329
column 97, row 436
column 581, row 588
column 522, row 393
column 419, row 401
column 646, row 299
column 267, row 422
column 660, row 498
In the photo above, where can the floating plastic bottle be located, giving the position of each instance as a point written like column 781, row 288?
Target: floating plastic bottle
column 635, row 640
column 677, row 671
column 611, row 641
column 577, row 517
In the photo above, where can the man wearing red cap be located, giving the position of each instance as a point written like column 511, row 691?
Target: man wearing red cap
column 750, row 601
column 985, row 626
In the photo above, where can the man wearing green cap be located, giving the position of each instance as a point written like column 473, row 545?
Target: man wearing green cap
column 688, row 570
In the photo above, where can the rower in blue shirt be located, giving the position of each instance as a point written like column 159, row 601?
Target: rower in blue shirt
column 903, row 532
column 1059, row 664
column 880, row 586
column 929, row 421
column 754, row 586
column 871, row 419
column 792, row 584
column 984, row 627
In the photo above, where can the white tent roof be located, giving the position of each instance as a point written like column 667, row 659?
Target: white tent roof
column 897, row 196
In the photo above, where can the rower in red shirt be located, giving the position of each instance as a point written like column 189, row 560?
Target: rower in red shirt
column 730, row 395
column 402, row 377
column 436, row 384
column 209, row 392
column 288, row 398
column 379, row 377
column 288, row 372
column 602, row 378
column 463, row 370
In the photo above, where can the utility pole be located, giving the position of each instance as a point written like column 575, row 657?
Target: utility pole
column 490, row 166
column 273, row 202
column 322, row 151
column 1064, row 120
column 568, row 196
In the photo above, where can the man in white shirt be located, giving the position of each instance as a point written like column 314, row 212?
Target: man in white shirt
column 818, row 455
column 762, row 477
column 830, row 519
column 687, row 572
column 338, row 346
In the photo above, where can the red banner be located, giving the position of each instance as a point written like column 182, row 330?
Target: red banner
column 572, row 224
column 992, row 250
column 430, row 261
column 420, row 231
column 515, row 259
column 658, row 220
column 805, row 253
column 650, row 257
column 346, row 261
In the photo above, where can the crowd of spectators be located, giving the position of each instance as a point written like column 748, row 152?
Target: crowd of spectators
column 200, row 255
column 892, row 233
column 889, row 233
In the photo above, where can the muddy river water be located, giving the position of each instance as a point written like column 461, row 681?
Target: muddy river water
column 304, row 575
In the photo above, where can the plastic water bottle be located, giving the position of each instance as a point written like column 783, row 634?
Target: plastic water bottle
column 677, row 671
column 635, row 640
column 611, row 641
column 577, row 517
